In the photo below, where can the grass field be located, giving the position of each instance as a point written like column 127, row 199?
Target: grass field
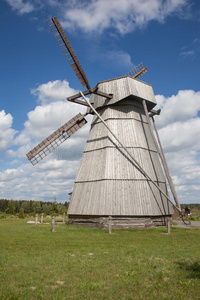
column 85, row 263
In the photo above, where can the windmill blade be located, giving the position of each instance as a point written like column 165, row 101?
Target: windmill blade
column 56, row 138
column 137, row 71
column 64, row 43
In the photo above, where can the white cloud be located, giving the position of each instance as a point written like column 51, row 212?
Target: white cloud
column 124, row 16
column 181, row 135
column 54, row 176
column 123, row 58
column 53, row 113
column 22, row 7
column 189, row 53
column 42, row 182
column 178, row 108
column 185, row 169
column 6, row 132
column 179, row 124
column 53, row 91
column 98, row 15
column 10, row 154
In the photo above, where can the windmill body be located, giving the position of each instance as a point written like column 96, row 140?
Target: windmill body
column 108, row 183
column 120, row 175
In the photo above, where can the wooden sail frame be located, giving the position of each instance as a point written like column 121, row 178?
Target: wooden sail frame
column 56, row 138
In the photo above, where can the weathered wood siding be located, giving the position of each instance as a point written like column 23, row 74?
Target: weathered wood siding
column 108, row 183
column 122, row 88
column 118, row 222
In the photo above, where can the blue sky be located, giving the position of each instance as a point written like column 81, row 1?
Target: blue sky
column 109, row 38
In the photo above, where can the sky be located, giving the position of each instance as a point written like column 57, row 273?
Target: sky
column 109, row 37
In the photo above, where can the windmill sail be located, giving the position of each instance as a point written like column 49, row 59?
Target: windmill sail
column 64, row 43
column 56, row 138
column 137, row 71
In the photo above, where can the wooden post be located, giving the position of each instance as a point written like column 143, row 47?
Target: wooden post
column 53, row 224
column 166, row 169
column 162, row 157
column 64, row 218
column 190, row 219
column 110, row 224
column 42, row 216
column 168, row 225
column 36, row 220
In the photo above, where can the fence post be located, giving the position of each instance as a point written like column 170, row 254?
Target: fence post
column 42, row 218
column 53, row 224
column 110, row 224
column 64, row 218
column 36, row 220
column 190, row 219
column 168, row 225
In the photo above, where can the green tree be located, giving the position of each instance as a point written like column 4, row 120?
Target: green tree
column 3, row 204
column 37, row 207
column 10, row 209
column 21, row 213
column 25, row 206
column 17, row 206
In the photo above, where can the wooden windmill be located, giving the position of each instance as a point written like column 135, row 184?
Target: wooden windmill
column 121, row 172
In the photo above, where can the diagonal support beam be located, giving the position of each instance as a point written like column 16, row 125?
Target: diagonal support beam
column 95, row 90
column 163, row 160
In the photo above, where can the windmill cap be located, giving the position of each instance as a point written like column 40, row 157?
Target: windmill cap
column 123, row 88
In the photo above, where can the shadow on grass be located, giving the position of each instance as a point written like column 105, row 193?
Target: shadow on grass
column 193, row 269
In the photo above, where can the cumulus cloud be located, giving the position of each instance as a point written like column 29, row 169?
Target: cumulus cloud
column 124, row 15
column 6, row 132
column 185, row 169
column 179, row 122
column 42, row 182
column 181, row 135
column 178, row 108
column 20, row 6
column 10, row 154
column 179, row 132
column 123, row 58
column 99, row 15
column 54, row 176
column 53, row 91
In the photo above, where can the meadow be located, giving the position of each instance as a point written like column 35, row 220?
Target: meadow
column 85, row 263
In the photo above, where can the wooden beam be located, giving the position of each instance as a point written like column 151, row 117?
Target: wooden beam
column 163, row 160
column 166, row 167
column 154, row 112
column 78, row 102
column 90, row 91
column 71, row 98
column 108, row 96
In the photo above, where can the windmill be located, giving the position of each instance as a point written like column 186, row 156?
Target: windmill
column 121, row 172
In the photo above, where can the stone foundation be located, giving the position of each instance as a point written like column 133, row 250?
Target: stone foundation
column 117, row 222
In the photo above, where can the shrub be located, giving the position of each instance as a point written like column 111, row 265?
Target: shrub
column 21, row 213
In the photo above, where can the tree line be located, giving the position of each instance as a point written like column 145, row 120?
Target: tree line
column 30, row 207
column 191, row 206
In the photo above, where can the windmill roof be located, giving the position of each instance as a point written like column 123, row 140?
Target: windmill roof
column 122, row 88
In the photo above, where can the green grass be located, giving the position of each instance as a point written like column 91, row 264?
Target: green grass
column 85, row 263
